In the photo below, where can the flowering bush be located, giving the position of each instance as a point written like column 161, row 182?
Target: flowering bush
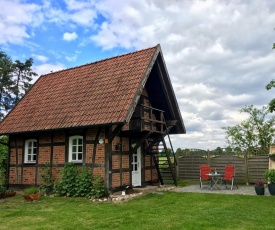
column 259, row 184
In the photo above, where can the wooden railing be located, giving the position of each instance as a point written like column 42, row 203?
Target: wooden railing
column 147, row 118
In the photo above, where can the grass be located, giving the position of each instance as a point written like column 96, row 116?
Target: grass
column 169, row 210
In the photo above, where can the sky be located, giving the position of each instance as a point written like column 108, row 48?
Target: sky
column 218, row 53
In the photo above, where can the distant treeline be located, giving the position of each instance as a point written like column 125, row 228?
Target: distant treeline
column 220, row 151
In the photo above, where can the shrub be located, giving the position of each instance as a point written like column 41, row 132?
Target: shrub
column 83, row 183
column 3, row 163
column 99, row 188
column 46, row 186
column 2, row 190
column 65, row 186
column 2, row 179
column 270, row 176
column 78, row 182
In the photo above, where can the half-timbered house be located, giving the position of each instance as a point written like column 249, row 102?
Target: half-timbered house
column 111, row 115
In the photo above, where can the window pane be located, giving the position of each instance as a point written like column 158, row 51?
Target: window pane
column 74, row 141
column 31, row 150
column 74, row 149
column 80, row 141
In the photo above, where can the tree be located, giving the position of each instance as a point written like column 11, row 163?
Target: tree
column 179, row 151
column 6, row 103
column 269, row 86
column 162, row 153
column 15, row 78
column 23, row 75
column 256, row 132
column 6, row 83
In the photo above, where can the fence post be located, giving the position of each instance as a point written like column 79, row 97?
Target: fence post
column 208, row 157
column 246, row 167
column 176, row 164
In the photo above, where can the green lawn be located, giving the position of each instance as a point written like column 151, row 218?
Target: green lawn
column 169, row 210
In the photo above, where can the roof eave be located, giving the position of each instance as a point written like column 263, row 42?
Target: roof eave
column 59, row 129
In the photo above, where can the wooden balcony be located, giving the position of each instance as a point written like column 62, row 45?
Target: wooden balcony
column 147, row 119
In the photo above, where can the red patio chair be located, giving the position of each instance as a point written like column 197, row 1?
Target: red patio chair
column 229, row 175
column 204, row 170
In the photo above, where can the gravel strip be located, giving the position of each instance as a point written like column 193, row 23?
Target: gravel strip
column 243, row 190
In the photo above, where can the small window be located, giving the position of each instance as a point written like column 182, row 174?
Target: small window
column 30, row 151
column 76, row 149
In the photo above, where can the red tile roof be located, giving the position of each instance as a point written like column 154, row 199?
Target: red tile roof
column 91, row 94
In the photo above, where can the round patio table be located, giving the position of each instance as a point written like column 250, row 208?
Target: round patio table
column 215, row 177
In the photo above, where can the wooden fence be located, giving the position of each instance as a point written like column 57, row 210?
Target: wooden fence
column 248, row 168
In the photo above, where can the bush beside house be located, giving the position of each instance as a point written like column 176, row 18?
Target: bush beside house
column 74, row 182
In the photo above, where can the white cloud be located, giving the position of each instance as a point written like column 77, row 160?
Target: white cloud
column 41, row 58
column 76, row 4
column 218, row 53
column 235, row 100
column 84, row 17
column 15, row 18
column 71, row 58
column 47, row 68
column 70, row 36
column 81, row 13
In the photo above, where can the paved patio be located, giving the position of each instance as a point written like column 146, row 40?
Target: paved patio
column 244, row 190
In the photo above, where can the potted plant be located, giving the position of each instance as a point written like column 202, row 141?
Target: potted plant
column 31, row 194
column 270, row 177
column 259, row 188
column 4, row 193
column 10, row 192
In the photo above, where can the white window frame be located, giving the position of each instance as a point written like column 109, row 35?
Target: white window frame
column 33, row 151
column 76, row 151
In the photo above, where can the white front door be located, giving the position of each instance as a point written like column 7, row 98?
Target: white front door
column 136, row 168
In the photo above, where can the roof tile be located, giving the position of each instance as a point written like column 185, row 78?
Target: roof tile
column 91, row 94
